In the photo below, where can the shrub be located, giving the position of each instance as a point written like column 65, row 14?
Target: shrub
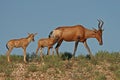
column 66, row 56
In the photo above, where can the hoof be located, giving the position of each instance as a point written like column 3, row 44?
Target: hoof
column 9, row 61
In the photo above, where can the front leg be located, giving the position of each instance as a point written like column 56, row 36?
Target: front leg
column 75, row 48
column 87, row 47
column 76, row 44
column 24, row 51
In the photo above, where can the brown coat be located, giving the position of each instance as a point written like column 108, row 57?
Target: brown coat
column 19, row 43
column 46, row 42
column 77, row 33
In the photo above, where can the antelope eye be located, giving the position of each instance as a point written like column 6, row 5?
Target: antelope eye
column 95, row 31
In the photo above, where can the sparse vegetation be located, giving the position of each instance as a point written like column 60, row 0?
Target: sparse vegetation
column 104, row 66
column 32, row 68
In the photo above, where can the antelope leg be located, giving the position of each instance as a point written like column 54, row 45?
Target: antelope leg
column 24, row 50
column 75, row 48
column 57, row 46
column 87, row 47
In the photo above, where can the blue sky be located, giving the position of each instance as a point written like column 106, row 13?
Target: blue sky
column 19, row 17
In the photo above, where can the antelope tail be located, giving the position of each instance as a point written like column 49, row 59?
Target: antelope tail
column 50, row 34
column 7, row 47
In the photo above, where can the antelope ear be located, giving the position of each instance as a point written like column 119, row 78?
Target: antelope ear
column 35, row 33
column 95, row 30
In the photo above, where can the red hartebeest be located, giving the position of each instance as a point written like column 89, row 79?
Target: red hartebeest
column 46, row 42
column 17, row 43
column 77, row 33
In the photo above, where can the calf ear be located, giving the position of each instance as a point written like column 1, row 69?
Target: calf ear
column 35, row 33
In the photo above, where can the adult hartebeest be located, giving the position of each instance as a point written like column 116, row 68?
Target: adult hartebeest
column 77, row 33
column 19, row 43
column 46, row 42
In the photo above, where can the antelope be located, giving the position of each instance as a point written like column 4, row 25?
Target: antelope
column 46, row 42
column 19, row 43
column 77, row 33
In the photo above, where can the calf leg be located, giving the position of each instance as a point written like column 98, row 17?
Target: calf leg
column 48, row 52
column 37, row 51
column 52, row 51
column 8, row 54
column 41, row 54
column 24, row 50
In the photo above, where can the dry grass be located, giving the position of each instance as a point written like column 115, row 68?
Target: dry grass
column 104, row 66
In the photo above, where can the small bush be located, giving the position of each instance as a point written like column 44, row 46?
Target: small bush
column 66, row 56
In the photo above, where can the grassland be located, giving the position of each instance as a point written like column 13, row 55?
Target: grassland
column 104, row 66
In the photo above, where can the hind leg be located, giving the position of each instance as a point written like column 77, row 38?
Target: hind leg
column 41, row 53
column 37, row 51
column 57, row 46
column 48, row 52
column 52, row 51
column 8, row 54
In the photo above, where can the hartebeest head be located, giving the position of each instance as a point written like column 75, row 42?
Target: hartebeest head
column 98, row 33
column 31, row 36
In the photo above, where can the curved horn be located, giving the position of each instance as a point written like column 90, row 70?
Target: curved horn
column 100, row 24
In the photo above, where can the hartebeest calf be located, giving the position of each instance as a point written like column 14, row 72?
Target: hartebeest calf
column 46, row 42
column 77, row 33
column 19, row 43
